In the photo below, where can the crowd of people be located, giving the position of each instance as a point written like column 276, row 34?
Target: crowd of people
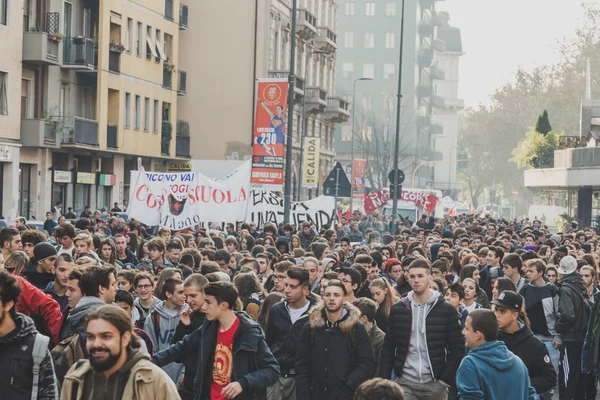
column 460, row 308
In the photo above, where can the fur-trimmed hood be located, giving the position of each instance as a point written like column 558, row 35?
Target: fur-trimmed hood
column 346, row 323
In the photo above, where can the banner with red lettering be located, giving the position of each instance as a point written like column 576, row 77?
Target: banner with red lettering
column 422, row 199
column 183, row 200
column 268, row 145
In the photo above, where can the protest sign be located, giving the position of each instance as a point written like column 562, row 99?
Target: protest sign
column 420, row 198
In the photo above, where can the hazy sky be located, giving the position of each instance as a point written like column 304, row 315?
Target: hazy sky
column 499, row 36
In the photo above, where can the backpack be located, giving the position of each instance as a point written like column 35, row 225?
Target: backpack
column 583, row 319
column 68, row 352
column 40, row 347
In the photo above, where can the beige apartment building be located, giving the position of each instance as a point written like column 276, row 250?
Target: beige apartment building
column 230, row 45
column 92, row 91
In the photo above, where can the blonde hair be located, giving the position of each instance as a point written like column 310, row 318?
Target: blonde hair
column 84, row 237
column 390, row 297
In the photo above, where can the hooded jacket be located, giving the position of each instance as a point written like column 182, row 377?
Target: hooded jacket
column 145, row 381
column 163, row 334
column 534, row 354
column 492, row 372
column 61, row 300
column 437, row 326
column 144, row 314
column 570, row 319
column 16, row 368
column 38, row 279
column 435, row 249
column 377, row 336
column 281, row 241
column 332, row 360
column 76, row 317
column 130, row 258
column 254, row 367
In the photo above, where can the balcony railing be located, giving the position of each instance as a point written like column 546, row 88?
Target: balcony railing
column 183, row 16
column 181, row 83
column 169, row 9
column 182, row 146
column 49, row 132
column 306, row 24
column 167, row 78
column 79, row 51
column 327, row 40
column 577, row 158
column 113, row 61
column 425, row 57
column 436, row 72
column 111, row 136
column 80, row 131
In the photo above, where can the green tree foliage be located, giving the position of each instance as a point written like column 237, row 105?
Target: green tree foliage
column 536, row 150
column 543, row 124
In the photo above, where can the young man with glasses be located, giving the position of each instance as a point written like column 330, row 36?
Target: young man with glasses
column 145, row 300
column 281, row 269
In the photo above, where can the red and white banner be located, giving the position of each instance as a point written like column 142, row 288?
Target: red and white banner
column 424, row 200
column 268, row 145
column 452, row 212
column 359, row 178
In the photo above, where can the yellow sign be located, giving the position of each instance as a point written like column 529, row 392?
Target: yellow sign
column 310, row 162
column 86, row 178
column 180, row 166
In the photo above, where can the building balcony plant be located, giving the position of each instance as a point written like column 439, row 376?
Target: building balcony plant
column 58, row 37
column 168, row 66
column 116, row 46
column 80, row 40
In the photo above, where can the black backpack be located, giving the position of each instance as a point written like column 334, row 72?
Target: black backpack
column 583, row 317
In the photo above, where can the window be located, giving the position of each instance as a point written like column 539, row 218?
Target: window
column 168, row 46
column 3, row 93
column 156, row 115
column 390, row 40
column 349, row 40
column 369, row 40
column 4, row 12
column 347, row 69
column 159, row 47
column 367, row 103
column 368, row 71
column 350, row 8
column 146, row 114
column 129, row 38
column 150, row 50
column 370, row 9
column 140, row 39
column 136, row 116
column 388, row 71
column 390, row 9
column 127, row 110
column 25, row 99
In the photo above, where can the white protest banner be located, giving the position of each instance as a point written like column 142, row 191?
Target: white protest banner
column 267, row 206
column 183, row 200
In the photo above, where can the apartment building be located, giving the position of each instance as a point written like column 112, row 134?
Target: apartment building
column 95, row 95
column 259, row 47
column 368, row 60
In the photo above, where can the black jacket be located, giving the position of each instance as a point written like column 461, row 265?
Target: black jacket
column 332, row 360
column 282, row 336
column 570, row 318
column 534, row 355
column 38, row 279
column 445, row 342
column 129, row 259
column 402, row 286
column 254, row 367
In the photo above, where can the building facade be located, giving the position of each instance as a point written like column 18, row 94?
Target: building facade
column 259, row 49
column 96, row 96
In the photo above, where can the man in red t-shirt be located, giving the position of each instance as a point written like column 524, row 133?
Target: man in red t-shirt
column 223, row 365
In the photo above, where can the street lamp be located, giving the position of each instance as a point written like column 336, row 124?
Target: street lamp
column 352, row 141
column 303, row 132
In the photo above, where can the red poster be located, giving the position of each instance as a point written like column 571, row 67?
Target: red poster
column 268, row 145
column 359, row 178
column 376, row 200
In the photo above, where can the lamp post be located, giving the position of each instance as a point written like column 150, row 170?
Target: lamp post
column 352, row 141
column 287, row 190
column 303, row 132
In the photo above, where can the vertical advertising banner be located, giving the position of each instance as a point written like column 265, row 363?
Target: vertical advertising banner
column 268, row 145
column 359, row 178
column 310, row 162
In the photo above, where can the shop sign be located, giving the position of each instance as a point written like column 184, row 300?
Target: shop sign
column 5, row 153
column 63, row 176
column 107, row 180
column 86, row 178
column 180, row 167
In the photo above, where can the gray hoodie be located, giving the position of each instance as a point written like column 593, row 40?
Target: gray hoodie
column 417, row 367
column 167, row 323
column 76, row 317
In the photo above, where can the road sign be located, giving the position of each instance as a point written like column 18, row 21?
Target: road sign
column 337, row 183
column 515, row 192
column 392, row 176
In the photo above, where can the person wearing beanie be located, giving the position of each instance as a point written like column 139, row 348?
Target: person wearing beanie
column 387, row 240
column 39, row 269
column 556, row 239
column 283, row 244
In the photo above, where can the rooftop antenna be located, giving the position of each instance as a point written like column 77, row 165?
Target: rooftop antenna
column 588, row 81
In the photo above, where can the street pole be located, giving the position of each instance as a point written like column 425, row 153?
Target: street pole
column 303, row 132
column 287, row 194
column 352, row 142
column 398, row 109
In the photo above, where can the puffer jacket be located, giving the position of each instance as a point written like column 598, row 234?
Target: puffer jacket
column 570, row 324
column 445, row 342
column 332, row 360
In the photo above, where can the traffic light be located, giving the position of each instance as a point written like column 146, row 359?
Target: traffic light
column 398, row 191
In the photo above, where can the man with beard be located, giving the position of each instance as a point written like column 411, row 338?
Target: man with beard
column 58, row 288
column 116, row 368
column 18, row 341
column 334, row 354
column 40, row 269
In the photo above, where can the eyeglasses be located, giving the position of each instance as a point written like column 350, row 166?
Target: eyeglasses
column 346, row 281
column 279, row 277
column 144, row 287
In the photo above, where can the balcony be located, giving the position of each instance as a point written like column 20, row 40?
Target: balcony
column 169, row 10
column 424, row 88
column 182, row 146
column 454, row 103
column 80, row 131
column 435, row 127
column 39, row 133
column 298, row 82
column 337, row 110
column 426, row 3
column 426, row 26
column 183, row 17
column 42, row 48
column 111, row 136
column 423, row 121
column 439, row 45
column 181, row 83
column 316, row 100
column 437, row 73
column 437, row 101
column 327, row 40
column 442, row 18
column 306, row 25
column 113, row 61
column 167, row 78
column 425, row 58
column 79, row 54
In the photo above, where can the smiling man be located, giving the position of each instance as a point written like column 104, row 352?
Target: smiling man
column 116, row 367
